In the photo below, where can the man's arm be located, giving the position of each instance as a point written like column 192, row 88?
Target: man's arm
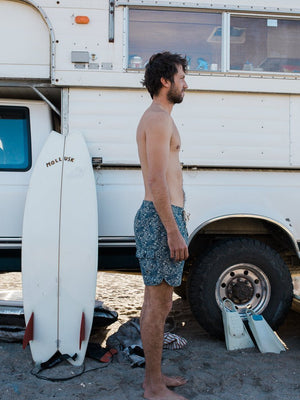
column 158, row 137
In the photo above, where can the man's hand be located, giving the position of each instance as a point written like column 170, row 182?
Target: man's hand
column 178, row 248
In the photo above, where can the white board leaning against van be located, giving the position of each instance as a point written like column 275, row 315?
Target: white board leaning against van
column 59, row 253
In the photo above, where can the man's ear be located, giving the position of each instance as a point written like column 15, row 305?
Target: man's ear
column 165, row 82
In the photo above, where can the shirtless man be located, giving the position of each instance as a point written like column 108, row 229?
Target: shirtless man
column 161, row 236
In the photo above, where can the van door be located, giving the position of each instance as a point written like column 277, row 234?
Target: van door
column 24, row 127
column 15, row 160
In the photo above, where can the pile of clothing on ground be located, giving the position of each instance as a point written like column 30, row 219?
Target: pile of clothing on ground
column 127, row 341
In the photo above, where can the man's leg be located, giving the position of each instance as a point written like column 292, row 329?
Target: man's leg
column 156, row 307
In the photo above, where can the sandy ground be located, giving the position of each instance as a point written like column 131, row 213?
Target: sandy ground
column 213, row 372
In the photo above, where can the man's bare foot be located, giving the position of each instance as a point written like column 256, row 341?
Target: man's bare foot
column 163, row 394
column 172, row 381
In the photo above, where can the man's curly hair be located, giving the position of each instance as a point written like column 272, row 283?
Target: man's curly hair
column 162, row 65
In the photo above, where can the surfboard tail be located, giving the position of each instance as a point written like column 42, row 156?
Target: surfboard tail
column 28, row 335
column 82, row 330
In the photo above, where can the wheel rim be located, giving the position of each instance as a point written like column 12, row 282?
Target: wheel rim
column 246, row 285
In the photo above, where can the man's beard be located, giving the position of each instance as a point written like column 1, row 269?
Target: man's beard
column 174, row 96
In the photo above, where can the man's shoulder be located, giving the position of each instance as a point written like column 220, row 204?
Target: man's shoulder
column 154, row 117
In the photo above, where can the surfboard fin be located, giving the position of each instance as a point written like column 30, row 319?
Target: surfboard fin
column 236, row 334
column 266, row 339
column 82, row 330
column 28, row 335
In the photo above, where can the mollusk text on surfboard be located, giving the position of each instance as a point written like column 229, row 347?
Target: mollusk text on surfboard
column 59, row 159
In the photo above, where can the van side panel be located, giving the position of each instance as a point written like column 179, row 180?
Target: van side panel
column 25, row 42
column 217, row 128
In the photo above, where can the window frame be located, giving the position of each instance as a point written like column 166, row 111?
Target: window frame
column 225, row 44
column 145, row 8
column 261, row 16
column 28, row 130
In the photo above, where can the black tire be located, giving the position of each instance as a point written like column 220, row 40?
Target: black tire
column 248, row 272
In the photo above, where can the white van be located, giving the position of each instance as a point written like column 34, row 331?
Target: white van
column 78, row 65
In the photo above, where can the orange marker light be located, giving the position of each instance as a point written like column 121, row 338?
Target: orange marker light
column 82, row 19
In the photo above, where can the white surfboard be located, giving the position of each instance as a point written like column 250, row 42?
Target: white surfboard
column 59, row 250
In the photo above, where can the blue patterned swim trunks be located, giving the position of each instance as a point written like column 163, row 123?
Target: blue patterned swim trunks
column 152, row 248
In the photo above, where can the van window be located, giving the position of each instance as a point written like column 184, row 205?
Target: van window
column 197, row 35
column 265, row 44
column 15, row 146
